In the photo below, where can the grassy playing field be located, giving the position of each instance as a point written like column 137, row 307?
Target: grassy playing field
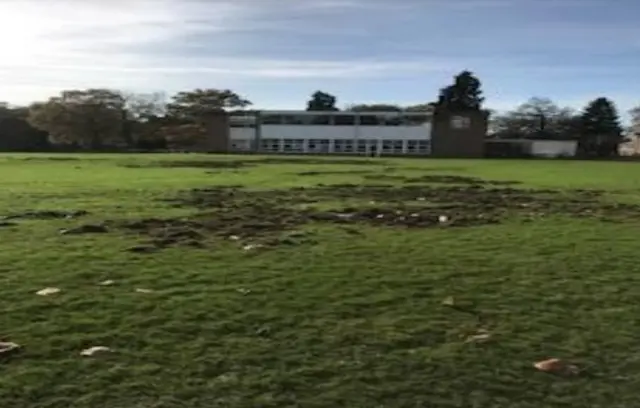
column 220, row 281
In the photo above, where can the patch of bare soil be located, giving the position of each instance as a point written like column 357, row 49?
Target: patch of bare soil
column 44, row 215
column 440, row 179
column 445, row 179
column 51, row 158
column 259, row 219
column 329, row 173
column 85, row 229
column 264, row 218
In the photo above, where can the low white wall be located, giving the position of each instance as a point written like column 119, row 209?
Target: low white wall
column 553, row 148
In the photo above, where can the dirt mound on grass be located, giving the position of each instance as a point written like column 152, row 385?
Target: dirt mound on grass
column 261, row 217
column 440, row 179
column 264, row 218
column 44, row 215
column 333, row 173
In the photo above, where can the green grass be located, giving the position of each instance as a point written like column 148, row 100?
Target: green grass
column 343, row 321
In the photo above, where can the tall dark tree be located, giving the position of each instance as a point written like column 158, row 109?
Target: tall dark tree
column 195, row 105
column 144, row 118
column 91, row 118
column 601, row 132
column 187, row 113
column 16, row 134
column 464, row 94
column 322, row 101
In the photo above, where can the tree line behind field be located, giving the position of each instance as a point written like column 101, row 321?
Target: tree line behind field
column 107, row 119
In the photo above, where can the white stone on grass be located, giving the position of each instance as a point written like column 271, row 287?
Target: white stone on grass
column 48, row 291
column 142, row 290
column 7, row 347
column 92, row 351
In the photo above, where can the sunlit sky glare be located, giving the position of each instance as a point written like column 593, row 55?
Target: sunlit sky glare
column 277, row 52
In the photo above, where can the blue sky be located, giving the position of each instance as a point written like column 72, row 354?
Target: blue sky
column 277, row 52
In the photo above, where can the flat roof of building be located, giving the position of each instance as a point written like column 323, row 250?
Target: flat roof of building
column 331, row 113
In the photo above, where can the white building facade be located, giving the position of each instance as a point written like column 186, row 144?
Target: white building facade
column 365, row 133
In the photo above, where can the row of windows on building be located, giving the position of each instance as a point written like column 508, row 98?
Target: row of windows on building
column 337, row 146
column 333, row 120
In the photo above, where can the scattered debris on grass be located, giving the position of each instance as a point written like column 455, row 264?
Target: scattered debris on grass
column 557, row 366
column 261, row 218
column 449, row 301
column 48, row 291
column 7, row 347
column 243, row 291
column 107, row 282
column 94, row 351
column 143, row 290
column 263, row 330
column 227, row 378
column 85, row 229
column 44, row 215
column 479, row 336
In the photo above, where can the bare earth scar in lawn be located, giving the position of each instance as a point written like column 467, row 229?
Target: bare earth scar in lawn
column 260, row 217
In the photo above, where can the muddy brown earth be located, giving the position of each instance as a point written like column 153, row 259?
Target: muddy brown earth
column 275, row 217
column 440, row 179
column 44, row 215
column 264, row 218
column 53, row 158
column 333, row 173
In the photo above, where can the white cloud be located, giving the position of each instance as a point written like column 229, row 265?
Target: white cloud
column 63, row 44
column 54, row 45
